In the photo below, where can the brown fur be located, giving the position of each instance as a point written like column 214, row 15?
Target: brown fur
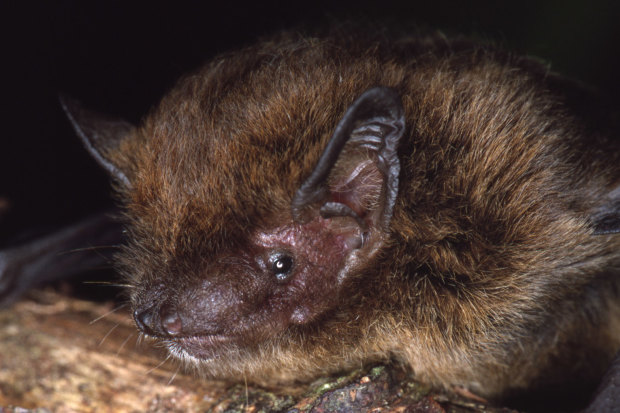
column 489, row 276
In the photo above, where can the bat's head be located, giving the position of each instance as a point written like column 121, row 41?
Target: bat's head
column 253, row 202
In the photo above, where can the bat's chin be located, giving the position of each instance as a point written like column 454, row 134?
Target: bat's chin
column 202, row 348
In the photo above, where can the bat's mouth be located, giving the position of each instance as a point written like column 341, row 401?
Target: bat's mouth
column 201, row 347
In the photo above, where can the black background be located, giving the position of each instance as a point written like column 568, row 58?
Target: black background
column 120, row 57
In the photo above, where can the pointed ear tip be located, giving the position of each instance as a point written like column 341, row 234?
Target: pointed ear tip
column 68, row 103
column 386, row 96
column 64, row 98
column 382, row 92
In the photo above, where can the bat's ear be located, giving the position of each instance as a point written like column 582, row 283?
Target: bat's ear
column 100, row 134
column 606, row 218
column 357, row 174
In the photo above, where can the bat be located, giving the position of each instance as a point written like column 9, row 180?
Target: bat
column 309, row 204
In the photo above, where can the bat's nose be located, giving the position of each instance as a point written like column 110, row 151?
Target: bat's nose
column 159, row 321
column 171, row 322
column 145, row 321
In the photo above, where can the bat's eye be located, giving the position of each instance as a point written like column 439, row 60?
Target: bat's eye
column 281, row 265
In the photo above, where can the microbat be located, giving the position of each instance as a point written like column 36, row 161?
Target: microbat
column 308, row 204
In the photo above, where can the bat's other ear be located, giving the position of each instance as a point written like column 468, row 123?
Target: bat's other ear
column 100, row 134
column 606, row 218
column 357, row 174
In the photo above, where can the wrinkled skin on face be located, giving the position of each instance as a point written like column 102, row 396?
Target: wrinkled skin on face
column 307, row 205
column 277, row 279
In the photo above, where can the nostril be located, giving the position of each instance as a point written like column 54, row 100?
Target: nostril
column 172, row 325
column 144, row 320
column 171, row 321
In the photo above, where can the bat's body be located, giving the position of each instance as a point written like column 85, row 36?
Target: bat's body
column 307, row 205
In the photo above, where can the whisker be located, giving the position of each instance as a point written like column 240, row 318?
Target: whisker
column 107, row 266
column 108, row 333
column 108, row 284
column 93, row 248
column 158, row 366
column 108, row 313
column 123, row 344
column 174, row 376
